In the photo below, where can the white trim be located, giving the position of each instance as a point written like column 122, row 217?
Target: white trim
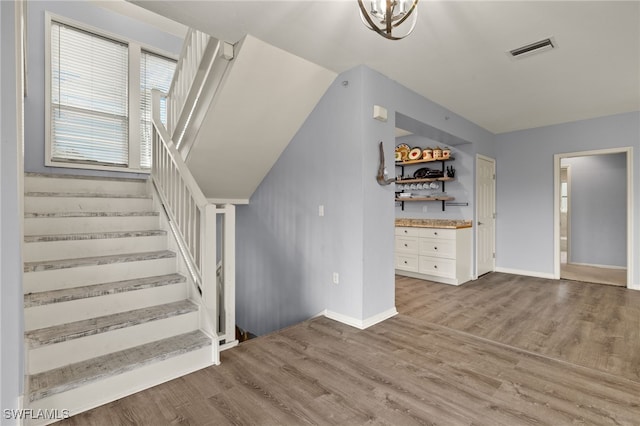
column 134, row 141
column 568, row 168
column 535, row 274
column 495, row 203
column 21, row 406
column 595, row 265
column 233, row 201
column 631, row 261
column 360, row 324
column 134, row 52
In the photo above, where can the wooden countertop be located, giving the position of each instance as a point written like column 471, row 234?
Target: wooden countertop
column 434, row 223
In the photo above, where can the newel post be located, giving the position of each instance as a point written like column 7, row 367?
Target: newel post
column 209, row 280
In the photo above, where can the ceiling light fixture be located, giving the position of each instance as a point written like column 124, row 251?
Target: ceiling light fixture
column 386, row 15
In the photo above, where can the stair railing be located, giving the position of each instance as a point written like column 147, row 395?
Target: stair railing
column 192, row 218
column 195, row 43
column 197, row 72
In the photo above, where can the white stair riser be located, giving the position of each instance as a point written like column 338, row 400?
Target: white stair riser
column 90, row 204
column 76, row 310
column 57, row 355
column 67, row 225
column 59, row 279
column 57, row 250
column 109, row 389
column 97, row 186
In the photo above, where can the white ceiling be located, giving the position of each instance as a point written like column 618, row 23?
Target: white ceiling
column 456, row 56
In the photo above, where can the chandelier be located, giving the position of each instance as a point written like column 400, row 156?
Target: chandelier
column 386, row 15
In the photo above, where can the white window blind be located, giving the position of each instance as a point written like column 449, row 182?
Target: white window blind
column 89, row 97
column 156, row 72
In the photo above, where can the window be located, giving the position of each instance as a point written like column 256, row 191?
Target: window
column 89, row 97
column 156, row 72
column 99, row 99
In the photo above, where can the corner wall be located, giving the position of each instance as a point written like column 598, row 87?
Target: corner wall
column 287, row 253
column 524, row 237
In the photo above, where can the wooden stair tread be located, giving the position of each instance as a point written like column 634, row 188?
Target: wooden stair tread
column 103, row 324
column 96, row 290
column 84, row 195
column 71, row 376
column 96, row 260
column 93, row 236
column 32, row 215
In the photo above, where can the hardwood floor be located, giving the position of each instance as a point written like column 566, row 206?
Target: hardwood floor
column 593, row 274
column 504, row 350
column 587, row 324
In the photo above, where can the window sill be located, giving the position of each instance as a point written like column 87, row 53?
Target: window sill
column 71, row 165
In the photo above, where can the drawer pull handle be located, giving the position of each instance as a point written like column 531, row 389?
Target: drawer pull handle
column 435, row 233
column 435, row 248
column 405, row 244
column 406, row 232
column 405, row 262
column 435, row 266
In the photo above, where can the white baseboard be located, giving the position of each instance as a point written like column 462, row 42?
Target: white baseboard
column 535, row 274
column 361, row 324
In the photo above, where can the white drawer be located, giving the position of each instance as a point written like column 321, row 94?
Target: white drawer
column 407, row 231
column 407, row 262
column 436, row 266
column 446, row 234
column 407, row 245
column 438, row 247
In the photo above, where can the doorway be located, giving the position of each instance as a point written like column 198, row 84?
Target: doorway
column 592, row 210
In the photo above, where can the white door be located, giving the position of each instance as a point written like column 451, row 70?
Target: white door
column 486, row 220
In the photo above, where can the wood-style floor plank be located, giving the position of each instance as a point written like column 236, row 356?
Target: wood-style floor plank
column 505, row 350
column 592, row 325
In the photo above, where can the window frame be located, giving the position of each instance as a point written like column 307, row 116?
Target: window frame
column 135, row 49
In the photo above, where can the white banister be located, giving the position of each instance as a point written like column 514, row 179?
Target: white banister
column 227, row 294
column 193, row 221
column 198, row 74
column 193, row 49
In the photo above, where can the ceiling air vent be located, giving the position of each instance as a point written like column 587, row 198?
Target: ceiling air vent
column 533, row 48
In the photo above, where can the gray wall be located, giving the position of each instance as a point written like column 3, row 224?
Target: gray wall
column 525, row 185
column 598, row 209
column 286, row 253
column 94, row 16
column 11, row 299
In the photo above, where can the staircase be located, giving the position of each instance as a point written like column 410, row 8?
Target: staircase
column 107, row 310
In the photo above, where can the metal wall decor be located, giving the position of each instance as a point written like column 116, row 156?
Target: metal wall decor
column 386, row 15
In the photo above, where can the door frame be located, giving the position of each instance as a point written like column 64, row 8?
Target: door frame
column 493, row 236
column 568, row 168
column 556, row 206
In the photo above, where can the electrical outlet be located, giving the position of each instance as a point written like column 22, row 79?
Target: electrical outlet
column 320, row 210
column 336, row 278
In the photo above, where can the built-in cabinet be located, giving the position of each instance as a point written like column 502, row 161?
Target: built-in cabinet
column 436, row 254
